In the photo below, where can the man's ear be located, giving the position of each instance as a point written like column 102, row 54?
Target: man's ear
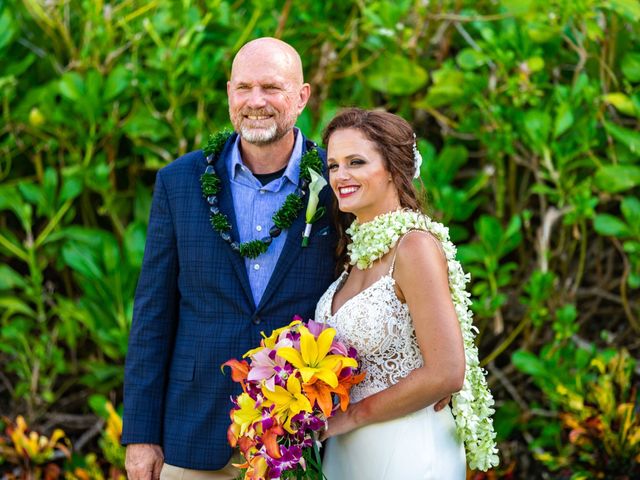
column 305, row 93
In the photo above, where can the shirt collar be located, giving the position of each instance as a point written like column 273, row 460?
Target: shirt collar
column 291, row 173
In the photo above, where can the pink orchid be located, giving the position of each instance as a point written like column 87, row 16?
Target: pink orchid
column 316, row 328
column 267, row 366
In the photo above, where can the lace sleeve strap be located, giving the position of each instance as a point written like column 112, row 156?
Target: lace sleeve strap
column 426, row 232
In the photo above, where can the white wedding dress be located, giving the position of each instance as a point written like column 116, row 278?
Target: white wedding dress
column 422, row 445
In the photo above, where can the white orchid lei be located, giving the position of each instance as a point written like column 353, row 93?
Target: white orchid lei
column 473, row 405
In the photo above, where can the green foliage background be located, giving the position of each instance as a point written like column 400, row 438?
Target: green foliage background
column 527, row 117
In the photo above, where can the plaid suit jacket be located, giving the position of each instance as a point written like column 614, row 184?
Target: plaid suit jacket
column 194, row 310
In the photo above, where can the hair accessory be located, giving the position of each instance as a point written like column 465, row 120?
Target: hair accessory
column 417, row 158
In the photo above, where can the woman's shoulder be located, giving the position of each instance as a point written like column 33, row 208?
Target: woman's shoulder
column 419, row 251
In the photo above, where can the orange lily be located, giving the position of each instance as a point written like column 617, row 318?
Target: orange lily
column 320, row 393
column 247, row 446
column 239, row 370
column 233, row 433
column 257, row 468
column 342, row 390
column 270, row 440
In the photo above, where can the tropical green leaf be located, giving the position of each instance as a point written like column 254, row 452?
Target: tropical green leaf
column 563, row 120
column 12, row 305
column 537, row 125
column 471, row 253
column 470, row 59
column 630, row 208
column 610, row 225
column 80, row 259
column 118, row 81
column 10, row 279
column 142, row 124
column 528, row 363
column 629, row 9
column 72, row 185
column 72, row 86
column 628, row 137
column 617, row 178
column 396, row 75
column 630, row 66
column 7, row 28
column 622, row 102
column 134, row 241
column 490, row 231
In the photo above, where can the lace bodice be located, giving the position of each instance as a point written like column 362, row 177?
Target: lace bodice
column 378, row 325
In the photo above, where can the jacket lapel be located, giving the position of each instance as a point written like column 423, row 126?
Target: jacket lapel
column 225, row 199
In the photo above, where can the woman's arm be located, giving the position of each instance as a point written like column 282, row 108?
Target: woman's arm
column 422, row 277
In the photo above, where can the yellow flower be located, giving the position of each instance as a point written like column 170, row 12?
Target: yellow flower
column 114, row 424
column 270, row 341
column 312, row 359
column 288, row 402
column 38, row 448
column 247, row 414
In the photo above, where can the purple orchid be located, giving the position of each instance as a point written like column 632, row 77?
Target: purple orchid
column 291, row 458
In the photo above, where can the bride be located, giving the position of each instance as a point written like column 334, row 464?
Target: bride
column 394, row 306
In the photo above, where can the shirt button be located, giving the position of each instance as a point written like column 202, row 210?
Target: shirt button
column 259, row 228
column 261, row 192
column 256, row 266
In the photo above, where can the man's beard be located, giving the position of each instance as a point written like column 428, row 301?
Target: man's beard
column 260, row 136
column 263, row 136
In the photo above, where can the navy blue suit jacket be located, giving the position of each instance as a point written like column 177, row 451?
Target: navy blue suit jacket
column 194, row 310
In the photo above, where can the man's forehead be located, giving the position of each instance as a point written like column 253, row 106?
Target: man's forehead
column 260, row 79
column 261, row 74
column 253, row 67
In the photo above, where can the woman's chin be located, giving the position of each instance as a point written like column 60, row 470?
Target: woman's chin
column 346, row 208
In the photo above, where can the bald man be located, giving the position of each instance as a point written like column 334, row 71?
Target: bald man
column 198, row 301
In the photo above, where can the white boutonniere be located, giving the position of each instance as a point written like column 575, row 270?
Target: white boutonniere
column 313, row 212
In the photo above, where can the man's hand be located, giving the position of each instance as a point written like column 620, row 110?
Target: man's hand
column 442, row 403
column 144, row 461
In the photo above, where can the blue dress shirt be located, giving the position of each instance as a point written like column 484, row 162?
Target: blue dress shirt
column 255, row 204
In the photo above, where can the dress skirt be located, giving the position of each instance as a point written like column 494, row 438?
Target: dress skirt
column 421, row 446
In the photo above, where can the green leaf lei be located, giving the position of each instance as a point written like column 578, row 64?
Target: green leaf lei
column 282, row 219
column 473, row 404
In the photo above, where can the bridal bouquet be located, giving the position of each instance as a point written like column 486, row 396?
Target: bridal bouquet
column 295, row 380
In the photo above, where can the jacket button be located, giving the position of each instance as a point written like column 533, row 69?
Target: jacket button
column 256, row 320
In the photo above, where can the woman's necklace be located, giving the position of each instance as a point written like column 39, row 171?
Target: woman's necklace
column 473, row 404
column 372, row 240
column 282, row 219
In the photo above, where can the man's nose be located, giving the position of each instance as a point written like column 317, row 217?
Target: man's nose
column 257, row 98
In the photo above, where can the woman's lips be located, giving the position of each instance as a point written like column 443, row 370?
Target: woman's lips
column 347, row 191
